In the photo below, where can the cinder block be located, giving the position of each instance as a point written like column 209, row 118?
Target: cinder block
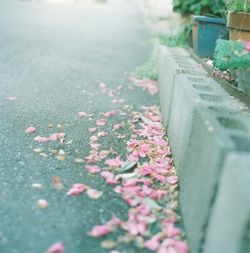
column 205, row 125
column 188, row 93
column 171, row 62
column 229, row 226
column 212, row 138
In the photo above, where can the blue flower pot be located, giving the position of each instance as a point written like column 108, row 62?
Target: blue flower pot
column 206, row 31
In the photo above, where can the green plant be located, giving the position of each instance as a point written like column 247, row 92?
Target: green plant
column 238, row 5
column 199, row 7
column 232, row 55
column 176, row 38
column 146, row 71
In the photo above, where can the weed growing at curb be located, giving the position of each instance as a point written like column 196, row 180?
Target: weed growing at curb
column 146, row 71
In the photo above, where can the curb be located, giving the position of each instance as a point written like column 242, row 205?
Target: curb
column 204, row 124
column 231, row 209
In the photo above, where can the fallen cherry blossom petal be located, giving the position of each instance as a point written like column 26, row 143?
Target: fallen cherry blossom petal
column 172, row 180
column 152, row 244
column 42, row 203
column 100, row 230
column 30, row 130
column 102, row 134
column 56, row 248
column 109, row 114
column 92, row 129
column 56, row 136
column 101, row 122
column 116, row 162
column 82, row 114
column 93, row 169
column 41, row 139
column 77, row 189
column 94, row 194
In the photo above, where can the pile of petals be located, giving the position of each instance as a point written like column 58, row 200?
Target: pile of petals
column 150, row 190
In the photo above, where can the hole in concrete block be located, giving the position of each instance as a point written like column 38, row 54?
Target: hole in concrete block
column 232, row 123
column 202, row 87
column 211, row 98
column 242, row 143
column 196, row 79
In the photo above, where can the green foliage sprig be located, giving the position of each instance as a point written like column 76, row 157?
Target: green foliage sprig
column 196, row 7
column 148, row 70
column 178, row 37
column 238, row 5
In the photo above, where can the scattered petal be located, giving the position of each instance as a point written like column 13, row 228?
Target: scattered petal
column 94, row 194
column 82, row 114
column 93, row 169
column 77, row 189
column 30, row 130
column 100, row 230
column 56, row 248
column 42, row 203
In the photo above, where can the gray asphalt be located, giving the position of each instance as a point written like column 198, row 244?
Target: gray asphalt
column 52, row 59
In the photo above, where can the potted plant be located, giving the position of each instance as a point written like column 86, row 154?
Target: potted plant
column 207, row 29
column 238, row 20
column 216, row 26
column 233, row 55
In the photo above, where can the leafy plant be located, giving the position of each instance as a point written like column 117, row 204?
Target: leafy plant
column 238, row 5
column 146, row 71
column 232, row 55
column 177, row 38
column 196, row 7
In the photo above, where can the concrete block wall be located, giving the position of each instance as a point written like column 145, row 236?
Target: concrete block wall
column 229, row 226
column 172, row 61
column 205, row 125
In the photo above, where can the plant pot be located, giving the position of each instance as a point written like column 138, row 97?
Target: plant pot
column 238, row 24
column 206, row 31
column 244, row 80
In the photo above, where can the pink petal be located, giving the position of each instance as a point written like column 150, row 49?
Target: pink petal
column 93, row 169
column 41, row 139
column 181, row 247
column 92, row 129
column 77, row 189
column 56, row 136
column 101, row 122
column 152, row 244
column 94, row 194
column 100, row 230
column 42, row 203
column 93, row 138
column 82, row 114
column 30, row 130
column 107, row 174
column 56, row 248
column 109, row 114
column 102, row 134
column 172, row 180
column 116, row 162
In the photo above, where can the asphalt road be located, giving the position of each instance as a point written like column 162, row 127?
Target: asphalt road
column 52, row 59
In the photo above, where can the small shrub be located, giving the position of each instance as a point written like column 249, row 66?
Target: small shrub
column 232, row 55
column 146, row 71
column 178, row 38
